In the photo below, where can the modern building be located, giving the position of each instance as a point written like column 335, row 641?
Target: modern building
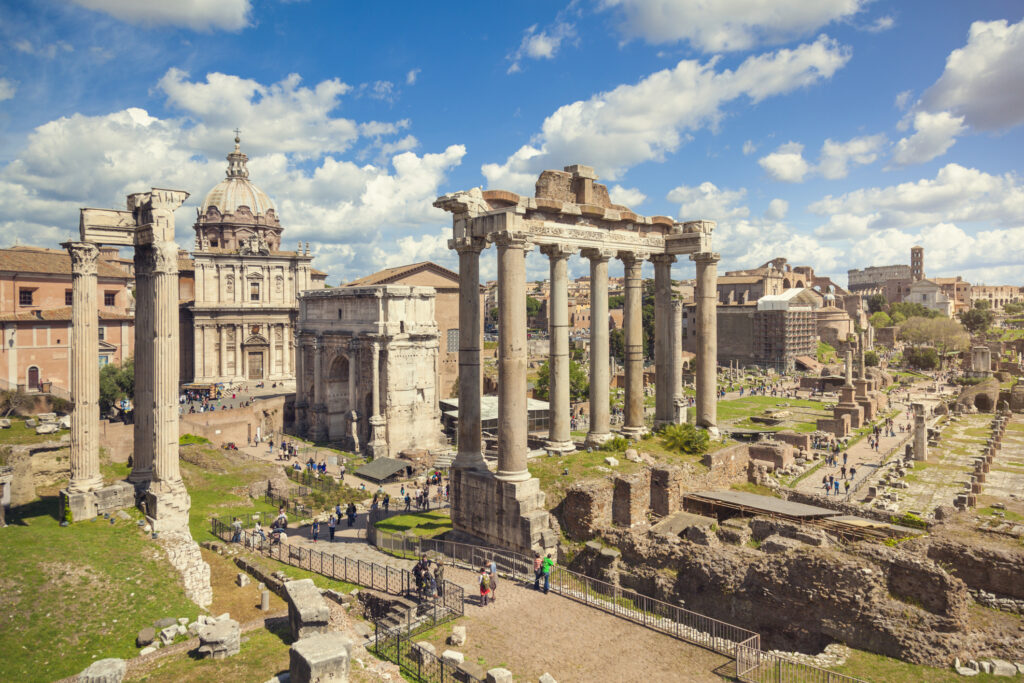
column 239, row 291
column 35, row 316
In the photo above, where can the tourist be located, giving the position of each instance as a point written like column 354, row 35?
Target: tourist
column 493, row 571
column 351, row 513
column 331, row 524
column 537, row 563
column 843, row 470
column 847, row 485
column 836, row 485
column 485, row 588
column 828, row 487
column 236, row 537
column 337, row 511
column 853, row 472
column 845, row 455
column 387, row 501
column 546, row 568
column 259, row 531
column 315, row 531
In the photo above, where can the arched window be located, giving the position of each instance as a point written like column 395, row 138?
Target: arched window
column 339, row 369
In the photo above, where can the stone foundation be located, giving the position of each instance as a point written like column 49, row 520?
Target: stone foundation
column 320, row 658
column 779, row 455
column 631, row 499
column 85, row 506
column 308, row 614
column 183, row 554
column 167, row 507
column 666, row 489
column 502, row 513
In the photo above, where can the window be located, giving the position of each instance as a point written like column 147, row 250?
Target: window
column 104, row 360
column 109, row 298
column 25, row 297
column 68, row 297
column 103, row 332
column 254, row 291
column 453, row 340
column 340, row 316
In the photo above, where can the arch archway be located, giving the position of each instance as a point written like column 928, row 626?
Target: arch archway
column 338, row 399
column 785, row 283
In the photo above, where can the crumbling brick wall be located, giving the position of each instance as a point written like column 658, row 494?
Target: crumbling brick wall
column 666, row 489
column 586, row 508
column 779, row 454
column 631, row 498
column 797, row 441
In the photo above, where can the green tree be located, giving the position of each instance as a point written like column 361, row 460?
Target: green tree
column 913, row 310
column 922, row 358
column 579, row 386
column 983, row 305
column 943, row 334
column 617, row 301
column 116, row 382
column 978, row 319
column 876, row 303
column 1013, row 308
column 532, row 307
column 880, row 319
column 617, row 345
column 871, row 359
column 897, row 317
column 685, row 438
column 16, row 401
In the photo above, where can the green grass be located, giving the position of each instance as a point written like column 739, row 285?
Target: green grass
column 187, row 439
column 872, row 667
column 425, row 524
column 320, row 580
column 1008, row 515
column 18, row 434
column 83, row 591
column 751, row 487
column 580, row 464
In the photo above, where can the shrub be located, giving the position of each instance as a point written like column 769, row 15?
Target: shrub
column 618, row 443
column 923, row 358
column 685, row 438
column 186, row 439
column 871, row 359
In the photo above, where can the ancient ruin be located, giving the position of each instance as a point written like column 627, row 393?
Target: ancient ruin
column 570, row 213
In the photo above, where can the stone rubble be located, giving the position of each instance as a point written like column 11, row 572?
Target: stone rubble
column 104, row 671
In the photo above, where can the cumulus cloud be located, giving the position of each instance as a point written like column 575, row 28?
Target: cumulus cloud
column 543, row 44
column 933, row 135
column 645, row 121
column 956, row 194
column 777, row 209
column 983, row 81
column 626, row 196
column 198, row 15
column 716, row 26
column 7, row 89
column 902, row 100
column 708, row 201
column 348, row 208
column 410, row 78
column 749, row 148
column 787, row 163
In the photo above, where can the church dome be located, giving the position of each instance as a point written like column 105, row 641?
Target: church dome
column 236, row 190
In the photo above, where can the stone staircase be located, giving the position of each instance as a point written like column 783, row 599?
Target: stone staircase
column 444, row 460
column 390, row 611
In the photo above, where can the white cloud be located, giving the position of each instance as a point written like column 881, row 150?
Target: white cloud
column 880, row 24
column 707, row 201
column 45, row 50
column 719, row 26
column 749, row 147
column 787, row 163
column 983, row 80
column 956, row 194
column 198, row 15
column 349, row 209
column 777, row 209
column 626, row 196
column 7, row 89
column 836, row 157
column 933, row 135
column 902, row 100
column 645, row 121
column 541, row 44
column 410, row 78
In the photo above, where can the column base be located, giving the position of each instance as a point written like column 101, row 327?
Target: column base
column 635, row 433
column 562, row 447
column 512, row 477
column 473, row 460
column 82, row 506
column 597, row 439
column 85, row 485
column 712, row 431
column 503, row 513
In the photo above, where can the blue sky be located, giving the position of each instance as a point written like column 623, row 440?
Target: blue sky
column 836, row 133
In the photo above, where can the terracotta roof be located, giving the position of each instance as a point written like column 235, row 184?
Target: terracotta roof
column 390, row 274
column 23, row 259
column 57, row 314
column 314, row 271
column 739, row 279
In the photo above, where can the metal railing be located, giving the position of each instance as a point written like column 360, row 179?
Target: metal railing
column 417, row 663
column 755, row 666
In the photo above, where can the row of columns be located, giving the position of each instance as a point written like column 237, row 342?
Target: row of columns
column 512, row 349
column 202, row 363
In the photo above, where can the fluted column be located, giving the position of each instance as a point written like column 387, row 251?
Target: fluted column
column 634, row 427
column 676, row 363
column 239, row 361
column 85, row 371
column 223, row 350
column 512, row 357
column 559, row 435
column 663, row 409
column 378, row 423
column 317, row 409
column 165, row 362
column 470, row 434
column 142, row 435
column 600, row 427
column 707, row 339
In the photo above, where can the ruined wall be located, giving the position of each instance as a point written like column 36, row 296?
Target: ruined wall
column 238, row 424
column 586, row 508
column 794, row 439
column 780, row 455
column 990, row 567
column 666, row 489
column 631, row 498
column 727, row 464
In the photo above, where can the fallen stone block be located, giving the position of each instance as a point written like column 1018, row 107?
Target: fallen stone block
column 458, row 636
column 419, row 652
column 308, row 612
column 164, row 623
column 104, row 671
column 452, row 658
column 148, row 650
column 1001, row 667
column 167, row 635
column 498, row 675
column 546, row 678
column 966, row 671
column 145, row 637
column 242, row 579
column 611, row 462
column 220, row 640
column 320, row 658
column 468, row 672
column 48, row 428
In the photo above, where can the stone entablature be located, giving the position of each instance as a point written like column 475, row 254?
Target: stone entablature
column 367, row 368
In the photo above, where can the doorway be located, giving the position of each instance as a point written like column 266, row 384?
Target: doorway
column 33, row 378
column 255, row 365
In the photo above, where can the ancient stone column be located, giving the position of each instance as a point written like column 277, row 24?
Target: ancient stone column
column 707, row 339
column 318, row 411
column 676, row 364
column 600, row 429
column 223, row 352
column 85, row 370
column 559, row 435
column 142, row 435
column 663, row 409
column 470, row 435
column 378, row 438
column 512, row 357
column 634, row 427
column 849, row 367
column 920, row 432
column 862, row 368
column 165, row 364
column 239, row 364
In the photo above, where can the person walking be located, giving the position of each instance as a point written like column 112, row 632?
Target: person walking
column 439, row 576
column 485, row 587
column 236, row 536
column 835, row 484
column 350, row 512
column 546, row 568
column 315, row 530
column 331, row 524
column 537, row 564
column 493, row 571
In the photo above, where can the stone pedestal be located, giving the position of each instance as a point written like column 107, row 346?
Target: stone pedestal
column 308, row 613
column 320, row 658
column 378, row 446
column 508, row 514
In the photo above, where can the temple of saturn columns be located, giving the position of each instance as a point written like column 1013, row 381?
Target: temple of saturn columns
column 155, row 482
column 570, row 214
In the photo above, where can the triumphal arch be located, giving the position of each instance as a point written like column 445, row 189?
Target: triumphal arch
column 569, row 214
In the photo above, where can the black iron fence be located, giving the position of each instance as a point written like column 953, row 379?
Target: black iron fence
column 416, row 663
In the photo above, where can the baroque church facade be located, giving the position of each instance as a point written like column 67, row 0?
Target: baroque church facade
column 238, row 290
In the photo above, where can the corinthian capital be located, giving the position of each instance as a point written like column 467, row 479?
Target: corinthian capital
column 557, row 251
column 84, row 257
column 513, row 240
column 467, row 244
column 166, row 257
